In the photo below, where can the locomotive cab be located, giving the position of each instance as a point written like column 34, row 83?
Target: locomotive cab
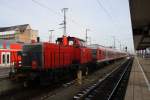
column 76, row 42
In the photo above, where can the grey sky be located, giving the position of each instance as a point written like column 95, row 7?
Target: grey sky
column 110, row 19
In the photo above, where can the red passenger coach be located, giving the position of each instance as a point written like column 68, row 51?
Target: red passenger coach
column 98, row 53
column 9, row 57
column 105, row 54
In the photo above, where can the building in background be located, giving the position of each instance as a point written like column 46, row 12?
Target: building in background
column 11, row 41
column 18, row 33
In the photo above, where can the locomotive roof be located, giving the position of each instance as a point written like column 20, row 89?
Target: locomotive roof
column 72, row 38
column 78, row 39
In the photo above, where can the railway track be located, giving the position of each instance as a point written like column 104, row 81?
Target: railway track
column 33, row 93
column 111, row 87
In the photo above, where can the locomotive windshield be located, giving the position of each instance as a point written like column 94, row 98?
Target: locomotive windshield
column 71, row 41
column 32, row 53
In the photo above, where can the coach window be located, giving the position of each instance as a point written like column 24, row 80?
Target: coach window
column 7, row 58
column 99, row 52
column 75, row 43
column 3, row 59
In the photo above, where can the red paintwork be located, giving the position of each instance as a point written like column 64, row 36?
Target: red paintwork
column 55, row 59
column 101, row 54
column 60, row 56
column 14, row 48
column 106, row 54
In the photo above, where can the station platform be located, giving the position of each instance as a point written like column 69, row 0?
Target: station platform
column 139, row 81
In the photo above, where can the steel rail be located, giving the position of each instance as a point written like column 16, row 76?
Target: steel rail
column 109, row 98
column 88, row 90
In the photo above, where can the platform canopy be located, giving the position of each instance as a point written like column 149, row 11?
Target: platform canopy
column 140, row 17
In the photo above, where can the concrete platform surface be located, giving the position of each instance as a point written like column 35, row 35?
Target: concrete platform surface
column 138, row 85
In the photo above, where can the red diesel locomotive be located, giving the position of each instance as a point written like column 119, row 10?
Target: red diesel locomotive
column 45, row 61
column 51, row 61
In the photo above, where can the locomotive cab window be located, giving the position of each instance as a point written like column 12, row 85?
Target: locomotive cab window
column 71, row 42
column 82, row 43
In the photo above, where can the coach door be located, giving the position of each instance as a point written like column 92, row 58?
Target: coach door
column 5, row 59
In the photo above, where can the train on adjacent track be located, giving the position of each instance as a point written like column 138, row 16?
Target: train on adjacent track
column 8, row 56
column 48, row 62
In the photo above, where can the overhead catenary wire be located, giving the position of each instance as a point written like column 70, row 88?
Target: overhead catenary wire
column 81, row 27
column 56, row 13
column 44, row 6
column 104, row 9
column 60, row 15
column 107, row 13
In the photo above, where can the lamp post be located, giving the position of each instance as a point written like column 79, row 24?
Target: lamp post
column 86, row 37
column 64, row 22
column 51, row 35
column 114, row 41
